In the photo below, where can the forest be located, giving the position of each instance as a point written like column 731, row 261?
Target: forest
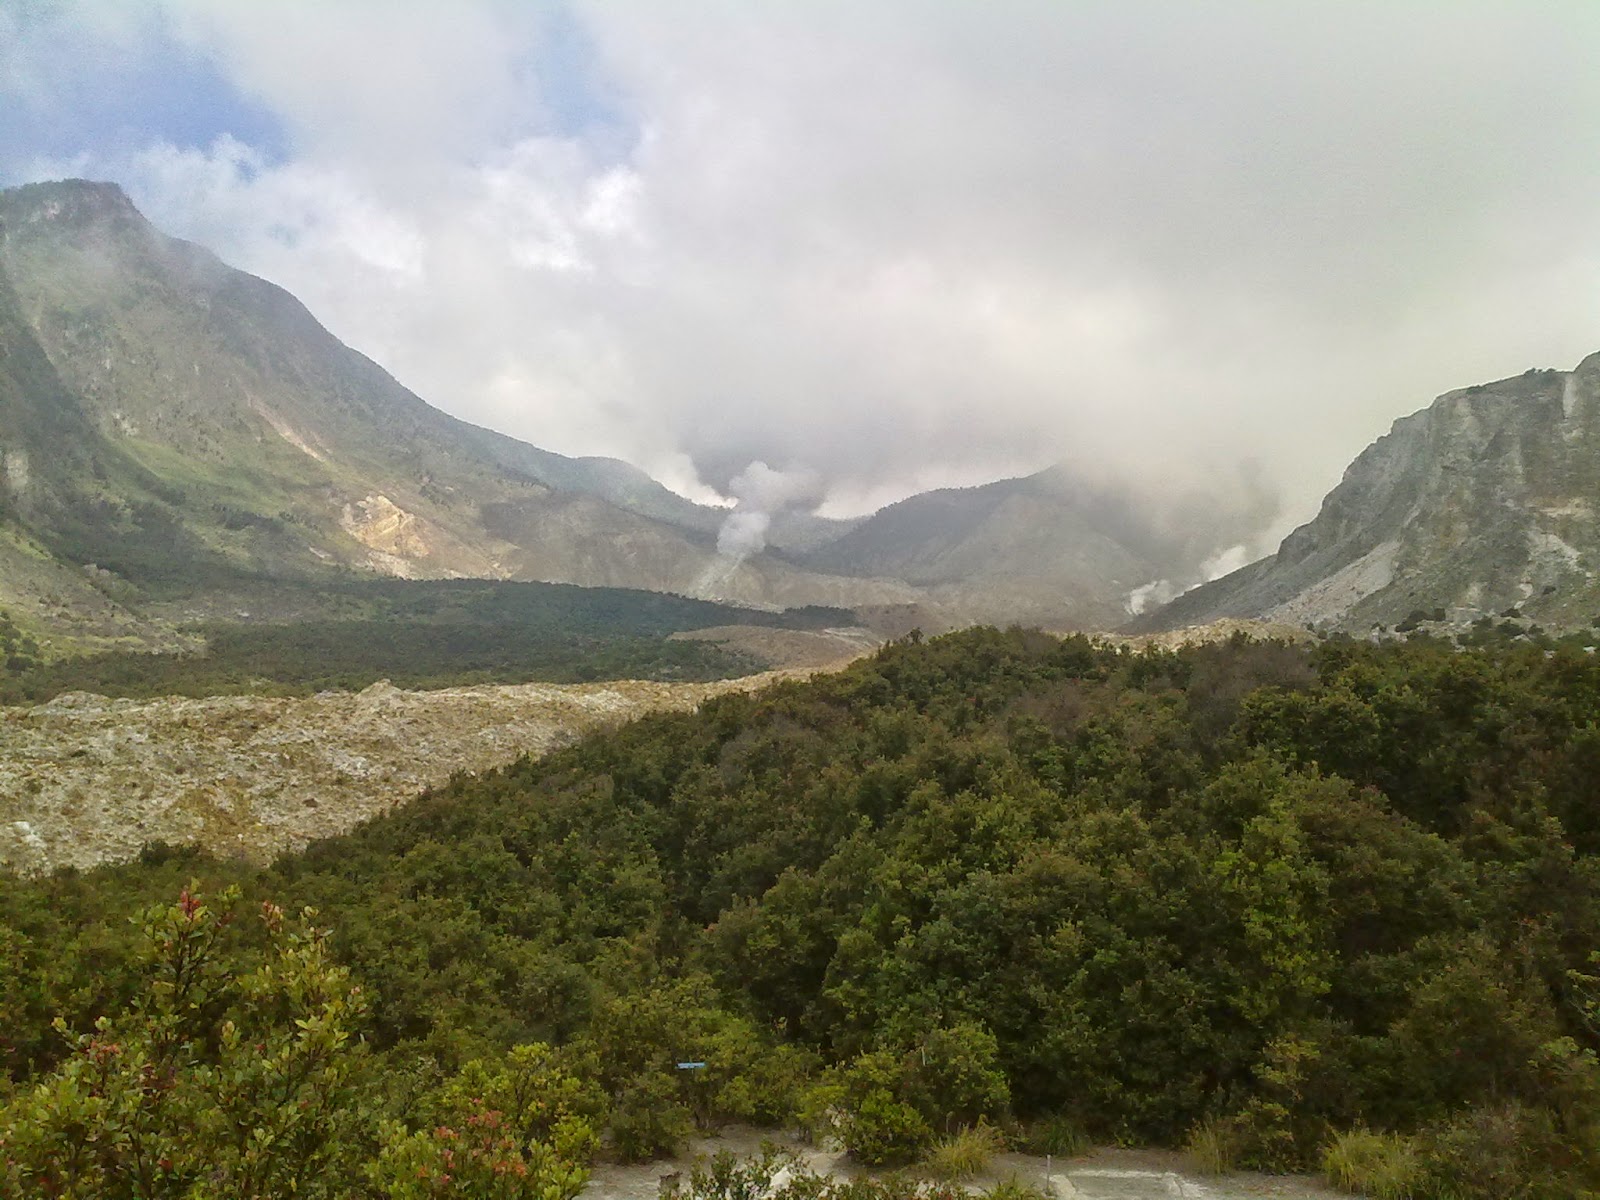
column 345, row 635
column 1331, row 909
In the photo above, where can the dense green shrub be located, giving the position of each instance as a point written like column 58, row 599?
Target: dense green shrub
column 1509, row 1151
column 242, row 1083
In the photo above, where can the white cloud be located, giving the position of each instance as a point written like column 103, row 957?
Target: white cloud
column 900, row 245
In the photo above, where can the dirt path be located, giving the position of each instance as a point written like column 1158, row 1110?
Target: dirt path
column 1107, row 1174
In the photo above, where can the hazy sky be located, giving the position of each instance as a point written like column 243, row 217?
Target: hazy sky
column 878, row 244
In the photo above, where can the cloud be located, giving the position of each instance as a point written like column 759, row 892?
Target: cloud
column 910, row 246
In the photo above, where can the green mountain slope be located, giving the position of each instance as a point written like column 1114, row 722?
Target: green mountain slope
column 177, row 422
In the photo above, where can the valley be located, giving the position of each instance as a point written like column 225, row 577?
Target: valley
column 597, row 799
column 871, row 601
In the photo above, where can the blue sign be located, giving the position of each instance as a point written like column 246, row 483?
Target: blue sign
column 692, row 1066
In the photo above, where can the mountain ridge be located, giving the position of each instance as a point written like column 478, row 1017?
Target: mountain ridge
column 1481, row 503
column 216, row 426
column 223, row 429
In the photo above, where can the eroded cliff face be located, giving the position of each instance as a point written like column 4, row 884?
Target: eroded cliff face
column 1483, row 501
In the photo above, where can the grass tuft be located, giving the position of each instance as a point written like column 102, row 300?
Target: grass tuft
column 965, row 1153
column 1060, row 1136
column 1214, row 1146
column 1383, row 1166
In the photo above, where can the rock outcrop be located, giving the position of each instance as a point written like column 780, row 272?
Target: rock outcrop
column 1487, row 500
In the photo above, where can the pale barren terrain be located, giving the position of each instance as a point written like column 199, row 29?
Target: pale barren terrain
column 1101, row 1174
column 85, row 779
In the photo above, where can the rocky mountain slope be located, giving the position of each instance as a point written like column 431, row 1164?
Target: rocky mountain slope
column 1483, row 502
column 168, row 419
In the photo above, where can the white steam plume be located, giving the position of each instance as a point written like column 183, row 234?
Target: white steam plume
column 1153, row 595
column 761, row 493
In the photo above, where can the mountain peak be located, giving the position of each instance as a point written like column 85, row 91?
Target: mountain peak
column 68, row 202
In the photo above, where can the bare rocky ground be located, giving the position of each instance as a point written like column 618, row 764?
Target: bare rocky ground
column 1104, row 1174
column 85, row 779
column 1213, row 631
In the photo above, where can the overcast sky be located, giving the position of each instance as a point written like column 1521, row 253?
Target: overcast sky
column 880, row 244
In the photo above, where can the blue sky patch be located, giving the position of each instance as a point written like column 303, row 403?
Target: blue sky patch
column 74, row 95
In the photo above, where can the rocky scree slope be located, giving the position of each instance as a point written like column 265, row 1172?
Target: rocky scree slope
column 1486, row 501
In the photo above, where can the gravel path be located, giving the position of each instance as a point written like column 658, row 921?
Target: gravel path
column 1107, row 1174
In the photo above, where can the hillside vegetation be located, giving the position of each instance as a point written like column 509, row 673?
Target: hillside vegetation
column 284, row 637
column 1296, row 908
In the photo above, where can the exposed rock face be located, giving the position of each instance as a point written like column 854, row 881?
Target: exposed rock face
column 84, row 779
column 1483, row 501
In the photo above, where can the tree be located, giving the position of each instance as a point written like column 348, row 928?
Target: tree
column 228, row 1082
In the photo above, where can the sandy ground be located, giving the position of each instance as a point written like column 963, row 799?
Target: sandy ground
column 1107, row 1174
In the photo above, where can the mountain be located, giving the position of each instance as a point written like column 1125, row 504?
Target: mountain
column 170, row 425
column 1048, row 549
column 1483, row 502
column 166, row 420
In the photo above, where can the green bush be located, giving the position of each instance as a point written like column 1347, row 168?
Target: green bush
column 879, row 1130
column 535, row 1096
column 885, row 1105
column 863, row 1106
column 648, row 1121
column 243, row 1083
column 481, row 1157
column 1506, row 1152
column 954, row 1077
